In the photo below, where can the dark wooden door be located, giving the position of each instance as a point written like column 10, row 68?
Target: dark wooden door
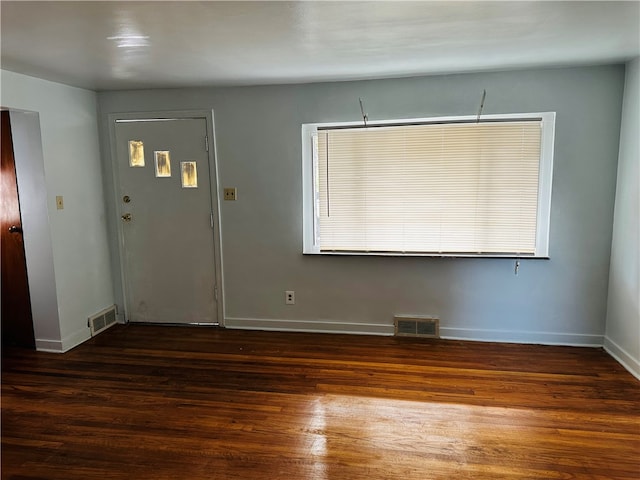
column 17, row 323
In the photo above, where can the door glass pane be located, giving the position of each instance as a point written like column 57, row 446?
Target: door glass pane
column 189, row 174
column 136, row 153
column 163, row 163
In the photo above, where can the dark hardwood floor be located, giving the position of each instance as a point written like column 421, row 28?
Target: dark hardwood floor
column 145, row 402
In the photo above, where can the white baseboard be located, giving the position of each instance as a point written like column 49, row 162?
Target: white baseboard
column 51, row 346
column 319, row 326
column 515, row 336
column 310, row 326
column 622, row 357
column 64, row 345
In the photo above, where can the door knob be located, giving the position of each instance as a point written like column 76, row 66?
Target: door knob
column 126, row 217
column 15, row 229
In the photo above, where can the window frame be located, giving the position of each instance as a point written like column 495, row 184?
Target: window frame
column 545, row 180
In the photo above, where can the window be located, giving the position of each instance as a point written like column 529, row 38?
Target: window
column 189, row 173
column 136, row 153
column 441, row 186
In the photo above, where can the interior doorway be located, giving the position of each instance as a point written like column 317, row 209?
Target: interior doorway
column 17, row 320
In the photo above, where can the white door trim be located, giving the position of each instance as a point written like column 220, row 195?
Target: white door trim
column 215, row 204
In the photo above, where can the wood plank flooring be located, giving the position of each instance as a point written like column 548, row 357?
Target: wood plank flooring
column 146, row 402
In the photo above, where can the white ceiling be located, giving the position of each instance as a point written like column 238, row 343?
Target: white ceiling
column 117, row 45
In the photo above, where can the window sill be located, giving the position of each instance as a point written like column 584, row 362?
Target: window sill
column 431, row 255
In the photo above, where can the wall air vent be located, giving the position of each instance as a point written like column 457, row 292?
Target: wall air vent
column 411, row 326
column 102, row 320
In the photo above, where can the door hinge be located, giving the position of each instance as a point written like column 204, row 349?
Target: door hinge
column 206, row 142
column 215, row 292
column 211, row 216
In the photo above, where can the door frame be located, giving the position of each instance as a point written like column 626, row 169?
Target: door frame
column 207, row 115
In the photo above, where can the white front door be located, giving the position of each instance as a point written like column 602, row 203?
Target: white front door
column 167, row 220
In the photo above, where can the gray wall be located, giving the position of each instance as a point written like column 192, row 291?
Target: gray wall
column 623, row 314
column 562, row 300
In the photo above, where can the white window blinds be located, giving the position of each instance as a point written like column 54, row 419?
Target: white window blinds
column 465, row 188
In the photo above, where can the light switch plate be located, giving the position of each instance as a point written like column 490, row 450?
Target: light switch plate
column 230, row 193
column 59, row 202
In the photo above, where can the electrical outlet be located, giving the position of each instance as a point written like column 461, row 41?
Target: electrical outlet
column 290, row 297
column 59, row 202
column 230, row 193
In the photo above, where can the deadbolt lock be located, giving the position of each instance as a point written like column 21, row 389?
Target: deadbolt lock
column 126, row 199
column 126, row 217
